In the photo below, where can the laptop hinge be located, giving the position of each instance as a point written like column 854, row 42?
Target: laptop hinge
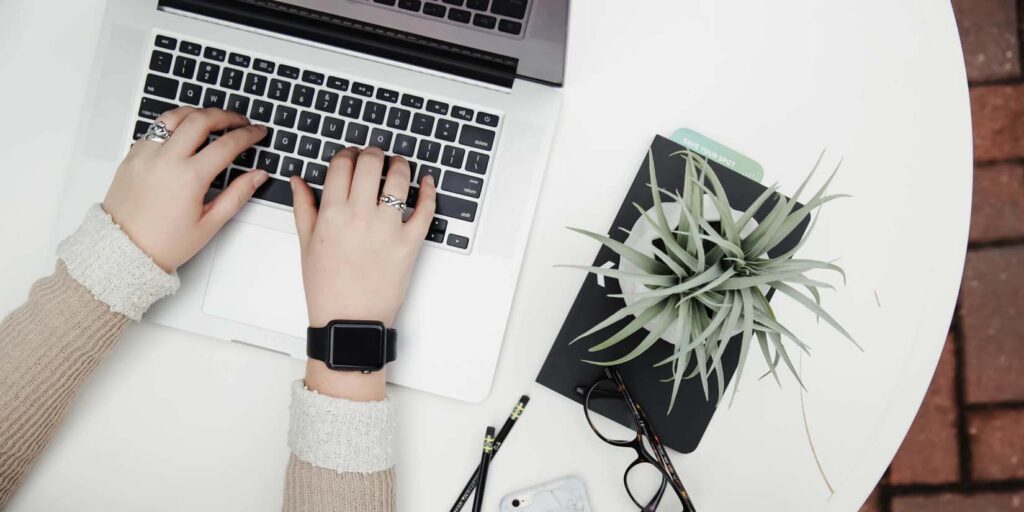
column 357, row 36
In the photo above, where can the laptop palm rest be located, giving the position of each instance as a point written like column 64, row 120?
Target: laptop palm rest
column 256, row 279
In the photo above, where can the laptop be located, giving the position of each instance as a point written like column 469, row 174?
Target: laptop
column 466, row 90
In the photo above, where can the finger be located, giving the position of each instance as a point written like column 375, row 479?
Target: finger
column 305, row 210
column 197, row 126
column 171, row 119
column 423, row 214
column 366, row 178
column 339, row 177
column 221, row 152
column 232, row 199
column 397, row 182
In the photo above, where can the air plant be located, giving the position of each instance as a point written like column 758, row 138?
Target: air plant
column 709, row 278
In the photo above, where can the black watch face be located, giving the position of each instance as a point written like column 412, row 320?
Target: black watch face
column 357, row 346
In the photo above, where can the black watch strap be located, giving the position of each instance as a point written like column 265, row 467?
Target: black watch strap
column 318, row 343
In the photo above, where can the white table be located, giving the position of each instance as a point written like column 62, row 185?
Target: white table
column 178, row 422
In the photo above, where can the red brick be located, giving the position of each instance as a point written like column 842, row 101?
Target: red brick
column 982, row 502
column 997, row 113
column 988, row 33
column 997, row 444
column 929, row 454
column 997, row 211
column 873, row 504
column 992, row 316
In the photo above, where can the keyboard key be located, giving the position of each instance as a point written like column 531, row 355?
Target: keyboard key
column 435, row 10
column 454, row 2
column 267, row 139
column 285, row 116
column 246, row 158
column 386, row 2
column 485, row 20
column 356, row 134
column 381, row 139
column 405, row 145
column 477, row 162
column 312, row 77
column 429, row 170
column 238, row 103
column 387, row 95
column 190, row 94
column 486, row 119
column 511, row 8
column 330, row 149
column 208, row 73
column 374, row 112
column 453, row 156
column 327, row 101
column 446, row 130
column 462, row 113
column 455, row 207
column 237, row 59
column 409, row 5
column 437, row 107
column 285, row 141
column 309, row 147
column 255, row 84
column 438, row 224
column 220, row 181
column 333, row 128
column 288, row 71
column 261, row 111
column 429, row 151
column 275, row 191
column 459, row 15
column 166, row 42
column 303, row 96
column 160, row 61
column 232, row 78
column 422, row 124
column 460, row 242
column 315, row 173
column 309, row 122
column 479, row 5
column 414, row 194
column 268, row 162
column 141, row 127
column 476, row 137
column 362, row 89
column 338, row 84
column 398, row 118
column 189, row 48
column 264, row 65
column 161, row 86
column 462, row 184
column 291, row 166
column 184, row 67
column 151, row 109
column 214, row 98
column 412, row 101
column 350, row 107
column 279, row 90
column 510, row 27
column 215, row 54
column 435, row 236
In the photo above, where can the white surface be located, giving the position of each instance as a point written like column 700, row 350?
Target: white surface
column 178, row 422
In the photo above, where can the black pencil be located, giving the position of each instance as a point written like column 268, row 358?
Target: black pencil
column 485, row 462
column 517, row 411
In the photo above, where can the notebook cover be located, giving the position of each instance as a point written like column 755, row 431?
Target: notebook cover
column 564, row 369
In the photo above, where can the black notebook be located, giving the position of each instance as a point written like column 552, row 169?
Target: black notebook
column 564, row 369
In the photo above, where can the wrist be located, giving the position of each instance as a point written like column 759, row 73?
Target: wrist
column 357, row 386
column 320, row 318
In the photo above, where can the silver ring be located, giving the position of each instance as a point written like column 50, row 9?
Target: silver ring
column 158, row 133
column 393, row 202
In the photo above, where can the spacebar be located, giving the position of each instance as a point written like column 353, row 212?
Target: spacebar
column 275, row 191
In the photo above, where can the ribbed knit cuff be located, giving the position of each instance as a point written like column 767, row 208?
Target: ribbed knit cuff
column 104, row 260
column 339, row 434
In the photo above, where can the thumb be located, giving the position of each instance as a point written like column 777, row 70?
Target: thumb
column 232, row 199
column 304, row 208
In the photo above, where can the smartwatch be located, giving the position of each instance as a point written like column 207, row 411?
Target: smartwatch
column 352, row 345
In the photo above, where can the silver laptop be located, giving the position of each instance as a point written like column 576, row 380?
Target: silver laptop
column 467, row 90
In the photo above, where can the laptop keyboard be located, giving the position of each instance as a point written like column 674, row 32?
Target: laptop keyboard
column 504, row 17
column 312, row 114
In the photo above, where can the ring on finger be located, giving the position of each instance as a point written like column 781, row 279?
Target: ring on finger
column 392, row 201
column 158, row 133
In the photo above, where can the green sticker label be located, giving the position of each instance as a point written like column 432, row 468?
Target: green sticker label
column 719, row 153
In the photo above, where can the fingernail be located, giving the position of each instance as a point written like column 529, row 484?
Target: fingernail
column 259, row 178
column 292, row 183
column 431, row 178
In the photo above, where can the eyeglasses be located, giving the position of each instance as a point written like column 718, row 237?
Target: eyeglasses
column 610, row 396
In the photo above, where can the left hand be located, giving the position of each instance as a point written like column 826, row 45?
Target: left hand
column 158, row 191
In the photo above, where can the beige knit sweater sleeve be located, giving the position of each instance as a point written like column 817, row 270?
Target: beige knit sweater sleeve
column 341, row 450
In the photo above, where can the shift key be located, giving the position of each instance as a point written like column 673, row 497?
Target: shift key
column 456, row 208
column 476, row 137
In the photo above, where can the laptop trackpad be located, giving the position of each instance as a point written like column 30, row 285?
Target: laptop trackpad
column 256, row 279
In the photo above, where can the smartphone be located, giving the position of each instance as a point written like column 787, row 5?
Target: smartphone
column 563, row 495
